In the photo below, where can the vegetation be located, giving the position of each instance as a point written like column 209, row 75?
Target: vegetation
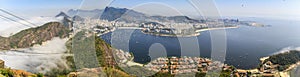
column 162, row 74
column 222, row 74
column 6, row 72
column 40, row 75
column 101, row 48
column 225, row 73
column 58, row 72
column 200, row 74
column 112, row 72
column 83, row 48
column 32, row 36
column 138, row 71
column 285, row 59
column 70, row 62
column 81, row 43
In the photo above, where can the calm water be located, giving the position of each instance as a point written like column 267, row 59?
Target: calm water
column 245, row 45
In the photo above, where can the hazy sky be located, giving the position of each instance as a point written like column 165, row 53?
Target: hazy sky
column 31, row 10
column 250, row 8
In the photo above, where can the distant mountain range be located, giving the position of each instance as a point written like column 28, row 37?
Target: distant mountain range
column 85, row 13
column 127, row 15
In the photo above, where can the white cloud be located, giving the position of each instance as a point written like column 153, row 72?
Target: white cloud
column 287, row 49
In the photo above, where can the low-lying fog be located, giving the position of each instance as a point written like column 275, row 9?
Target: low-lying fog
column 39, row 58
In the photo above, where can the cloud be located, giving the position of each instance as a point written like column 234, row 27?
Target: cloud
column 37, row 59
column 287, row 49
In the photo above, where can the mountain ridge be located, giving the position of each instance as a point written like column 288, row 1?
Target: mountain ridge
column 128, row 15
column 29, row 37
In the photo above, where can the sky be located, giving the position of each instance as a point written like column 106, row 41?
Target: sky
column 41, row 11
column 274, row 8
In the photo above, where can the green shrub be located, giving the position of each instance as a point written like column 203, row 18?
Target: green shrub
column 6, row 72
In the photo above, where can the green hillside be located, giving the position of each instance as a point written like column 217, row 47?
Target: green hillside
column 29, row 37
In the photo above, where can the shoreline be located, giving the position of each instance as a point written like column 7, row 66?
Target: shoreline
column 285, row 73
column 197, row 32
column 169, row 35
column 202, row 30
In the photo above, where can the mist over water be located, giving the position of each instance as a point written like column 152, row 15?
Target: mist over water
column 287, row 49
column 39, row 58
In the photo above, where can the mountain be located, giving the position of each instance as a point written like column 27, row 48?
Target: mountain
column 122, row 14
column 65, row 19
column 183, row 19
column 177, row 19
column 29, row 37
column 77, row 18
column 128, row 15
column 154, row 23
column 85, row 13
column 62, row 14
column 104, row 53
column 111, row 13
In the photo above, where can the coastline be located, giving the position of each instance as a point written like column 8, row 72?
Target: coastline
column 173, row 35
column 132, row 63
column 197, row 32
column 285, row 73
column 201, row 30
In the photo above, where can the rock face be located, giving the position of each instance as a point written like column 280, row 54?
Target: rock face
column 32, row 36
